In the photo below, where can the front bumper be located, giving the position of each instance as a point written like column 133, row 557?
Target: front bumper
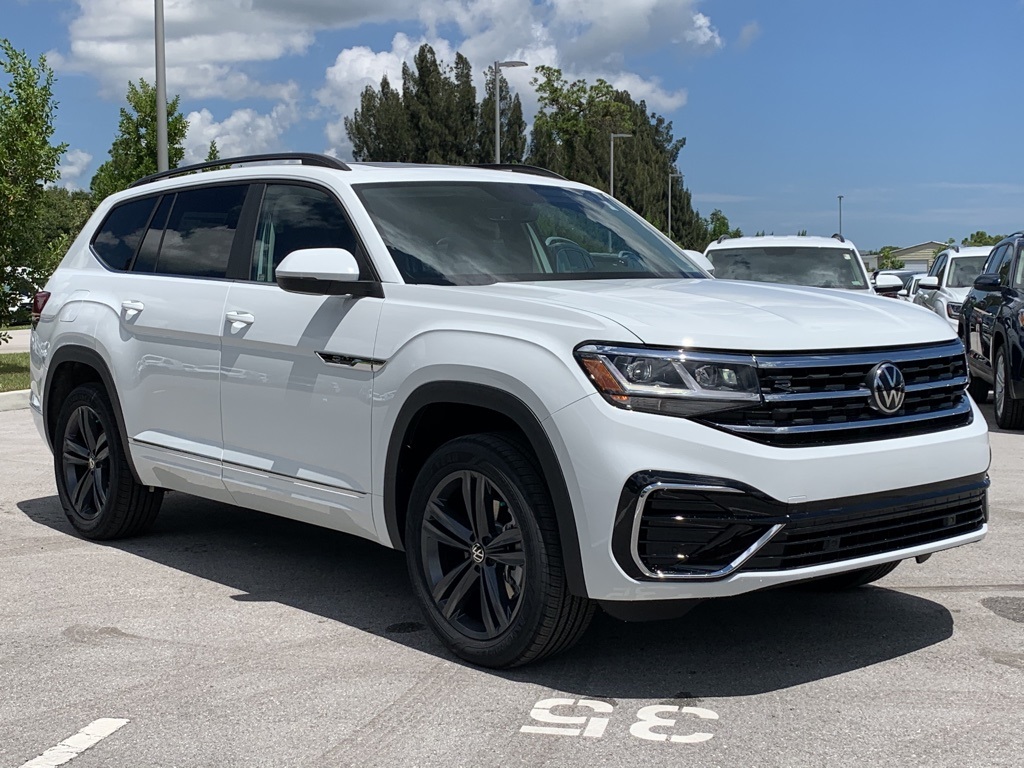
column 601, row 448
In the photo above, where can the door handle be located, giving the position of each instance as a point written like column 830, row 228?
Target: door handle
column 241, row 318
column 132, row 307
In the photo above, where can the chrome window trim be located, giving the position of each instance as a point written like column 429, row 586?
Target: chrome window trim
column 634, row 544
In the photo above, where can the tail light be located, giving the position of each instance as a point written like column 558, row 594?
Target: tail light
column 38, row 302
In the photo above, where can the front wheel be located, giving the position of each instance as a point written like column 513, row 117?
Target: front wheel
column 484, row 556
column 1009, row 412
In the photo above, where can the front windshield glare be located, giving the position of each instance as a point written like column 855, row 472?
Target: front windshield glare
column 816, row 267
column 469, row 233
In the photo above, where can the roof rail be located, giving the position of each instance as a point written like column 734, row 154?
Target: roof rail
column 839, row 237
column 304, row 158
column 517, row 168
column 722, row 238
column 956, row 248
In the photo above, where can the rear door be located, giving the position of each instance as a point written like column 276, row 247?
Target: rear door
column 982, row 323
column 171, row 309
column 297, row 379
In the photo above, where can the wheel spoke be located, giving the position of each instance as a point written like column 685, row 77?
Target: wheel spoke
column 458, row 595
column 99, row 493
column 74, row 457
column 102, row 448
column 88, row 429
column 492, row 608
column 441, row 526
column 81, row 492
column 442, row 586
column 75, row 450
column 481, row 515
column 507, row 548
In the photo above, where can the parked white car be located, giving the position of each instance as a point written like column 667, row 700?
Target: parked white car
column 508, row 375
column 949, row 280
column 910, row 291
column 819, row 262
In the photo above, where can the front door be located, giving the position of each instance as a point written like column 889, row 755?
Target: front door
column 297, row 375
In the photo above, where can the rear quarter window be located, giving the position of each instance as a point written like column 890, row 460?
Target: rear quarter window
column 119, row 236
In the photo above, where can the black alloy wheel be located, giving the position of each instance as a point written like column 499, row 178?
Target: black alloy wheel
column 472, row 551
column 484, row 555
column 1009, row 412
column 97, row 489
column 86, row 460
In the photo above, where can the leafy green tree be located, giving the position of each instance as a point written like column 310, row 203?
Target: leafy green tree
column 379, row 128
column 718, row 226
column 213, row 153
column 28, row 161
column 981, row 237
column 133, row 153
column 513, row 126
column 887, row 261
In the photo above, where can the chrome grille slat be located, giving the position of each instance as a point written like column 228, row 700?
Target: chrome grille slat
column 815, row 399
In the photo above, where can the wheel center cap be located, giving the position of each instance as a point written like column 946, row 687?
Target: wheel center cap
column 92, row 463
column 477, row 553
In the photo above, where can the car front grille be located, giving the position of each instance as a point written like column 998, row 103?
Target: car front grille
column 824, row 398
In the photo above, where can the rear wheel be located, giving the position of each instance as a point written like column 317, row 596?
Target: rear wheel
column 857, row 578
column 484, row 556
column 1009, row 412
column 94, row 481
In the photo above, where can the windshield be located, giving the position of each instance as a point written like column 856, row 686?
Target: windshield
column 472, row 233
column 817, row 267
column 963, row 270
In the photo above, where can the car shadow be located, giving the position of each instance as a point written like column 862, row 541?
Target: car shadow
column 739, row 646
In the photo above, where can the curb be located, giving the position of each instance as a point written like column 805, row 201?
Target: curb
column 14, row 401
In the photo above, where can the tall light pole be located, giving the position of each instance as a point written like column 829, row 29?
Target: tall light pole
column 161, row 88
column 611, row 173
column 840, row 214
column 671, row 175
column 497, row 104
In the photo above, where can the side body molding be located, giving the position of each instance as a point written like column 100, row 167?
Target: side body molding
column 482, row 396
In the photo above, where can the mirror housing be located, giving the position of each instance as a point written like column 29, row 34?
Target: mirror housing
column 324, row 272
column 930, row 283
column 700, row 260
column 987, row 283
column 904, row 293
column 888, row 283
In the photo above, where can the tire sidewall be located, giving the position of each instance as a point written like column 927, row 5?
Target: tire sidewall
column 470, row 454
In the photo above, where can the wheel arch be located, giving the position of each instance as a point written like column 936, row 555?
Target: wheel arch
column 490, row 408
column 69, row 367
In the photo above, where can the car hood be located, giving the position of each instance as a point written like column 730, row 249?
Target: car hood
column 957, row 294
column 728, row 314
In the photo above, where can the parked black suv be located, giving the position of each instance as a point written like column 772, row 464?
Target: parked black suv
column 992, row 329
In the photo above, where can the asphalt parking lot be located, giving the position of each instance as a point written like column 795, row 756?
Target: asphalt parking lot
column 231, row 638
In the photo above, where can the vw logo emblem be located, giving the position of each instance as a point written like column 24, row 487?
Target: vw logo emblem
column 477, row 553
column 887, row 387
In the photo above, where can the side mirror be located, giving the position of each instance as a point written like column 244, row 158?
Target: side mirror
column 987, row 283
column 904, row 293
column 700, row 260
column 930, row 283
column 888, row 284
column 324, row 272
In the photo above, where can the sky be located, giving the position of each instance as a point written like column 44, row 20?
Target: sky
column 909, row 109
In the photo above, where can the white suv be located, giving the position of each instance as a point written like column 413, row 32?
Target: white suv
column 819, row 262
column 506, row 374
column 950, row 279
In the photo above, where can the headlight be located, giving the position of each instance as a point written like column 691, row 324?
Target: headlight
column 673, row 381
column 953, row 311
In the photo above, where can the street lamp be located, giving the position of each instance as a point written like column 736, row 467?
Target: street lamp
column 161, row 87
column 497, row 104
column 840, row 214
column 611, row 173
column 671, row 175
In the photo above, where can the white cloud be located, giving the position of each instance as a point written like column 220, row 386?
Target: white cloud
column 72, row 167
column 702, row 33
column 748, row 35
column 243, row 132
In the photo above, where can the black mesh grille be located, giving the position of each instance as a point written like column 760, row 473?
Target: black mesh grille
column 824, row 398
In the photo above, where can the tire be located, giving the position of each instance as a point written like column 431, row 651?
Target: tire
column 857, row 578
column 484, row 556
column 94, row 481
column 978, row 390
column 1009, row 412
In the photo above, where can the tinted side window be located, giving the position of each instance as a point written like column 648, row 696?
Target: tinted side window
column 146, row 260
column 294, row 217
column 938, row 266
column 1018, row 270
column 992, row 265
column 200, row 231
column 1004, row 265
column 119, row 237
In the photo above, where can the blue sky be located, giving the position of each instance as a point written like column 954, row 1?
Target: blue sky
column 907, row 108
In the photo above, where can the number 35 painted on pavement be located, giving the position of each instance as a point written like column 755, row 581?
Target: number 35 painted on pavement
column 647, row 719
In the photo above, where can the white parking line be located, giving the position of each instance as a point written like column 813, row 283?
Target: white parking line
column 75, row 745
